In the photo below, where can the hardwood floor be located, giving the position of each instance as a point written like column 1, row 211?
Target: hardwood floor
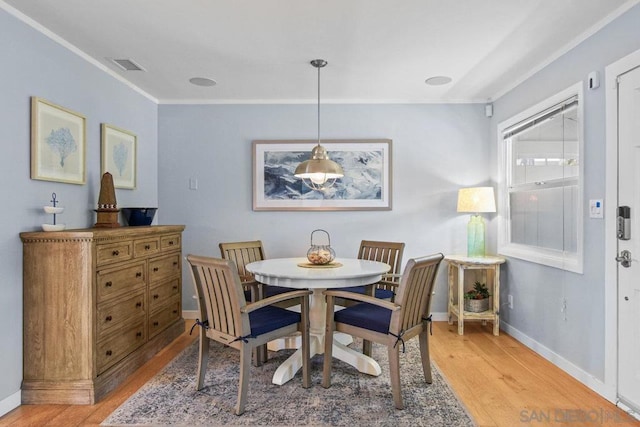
column 93, row 415
column 501, row 382
column 504, row 383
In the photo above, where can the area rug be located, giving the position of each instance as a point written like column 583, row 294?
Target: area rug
column 354, row 399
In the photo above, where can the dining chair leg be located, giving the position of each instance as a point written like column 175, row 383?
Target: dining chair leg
column 366, row 345
column 203, row 357
column 366, row 348
column 424, row 355
column 394, row 373
column 260, row 355
column 328, row 344
column 245, row 366
column 306, row 351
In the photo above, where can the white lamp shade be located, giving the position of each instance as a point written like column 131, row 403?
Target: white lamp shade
column 476, row 200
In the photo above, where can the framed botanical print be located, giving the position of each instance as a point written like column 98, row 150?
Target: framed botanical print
column 58, row 142
column 119, row 155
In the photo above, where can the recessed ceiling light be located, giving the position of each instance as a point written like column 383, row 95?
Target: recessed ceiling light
column 438, row 80
column 202, row 81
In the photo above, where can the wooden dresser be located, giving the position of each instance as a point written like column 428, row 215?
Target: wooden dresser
column 98, row 303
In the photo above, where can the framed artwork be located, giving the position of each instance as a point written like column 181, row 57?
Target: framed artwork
column 366, row 184
column 119, row 155
column 58, row 142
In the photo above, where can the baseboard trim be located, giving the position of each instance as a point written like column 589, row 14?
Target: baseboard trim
column 628, row 410
column 576, row 372
column 439, row 317
column 190, row 314
column 10, row 403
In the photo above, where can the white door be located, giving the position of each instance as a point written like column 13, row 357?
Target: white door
column 629, row 273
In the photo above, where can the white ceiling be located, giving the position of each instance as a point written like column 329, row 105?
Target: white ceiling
column 377, row 50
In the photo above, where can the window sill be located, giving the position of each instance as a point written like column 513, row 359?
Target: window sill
column 552, row 258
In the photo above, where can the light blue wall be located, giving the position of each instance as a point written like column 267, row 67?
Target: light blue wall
column 436, row 150
column 34, row 65
column 538, row 291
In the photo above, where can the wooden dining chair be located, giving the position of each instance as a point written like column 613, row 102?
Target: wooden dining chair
column 389, row 253
column 226, row 317
column 243, row 253
column 386, row 322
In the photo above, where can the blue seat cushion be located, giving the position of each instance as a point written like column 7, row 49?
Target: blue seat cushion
column 270, row 291
column 270, row 318
column 380, row 293
column 366, row 316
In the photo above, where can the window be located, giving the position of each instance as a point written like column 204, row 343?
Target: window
column 540, row 195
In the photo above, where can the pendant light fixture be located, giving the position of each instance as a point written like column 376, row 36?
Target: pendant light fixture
column 319, row 172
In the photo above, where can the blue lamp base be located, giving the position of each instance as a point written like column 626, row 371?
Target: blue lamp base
column 475, row 237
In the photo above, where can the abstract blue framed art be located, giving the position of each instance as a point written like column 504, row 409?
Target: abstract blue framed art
column 119, row 156
column 366, row 184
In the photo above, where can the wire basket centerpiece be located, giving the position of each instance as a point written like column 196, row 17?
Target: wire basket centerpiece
column 320, row 254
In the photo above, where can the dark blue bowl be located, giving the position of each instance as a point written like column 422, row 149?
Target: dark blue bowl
column 139, row 216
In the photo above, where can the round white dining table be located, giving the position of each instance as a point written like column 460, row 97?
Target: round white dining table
column 287, row 272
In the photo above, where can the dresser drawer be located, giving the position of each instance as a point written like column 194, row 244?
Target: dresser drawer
column 165, row 316
column 164, row 267
column 118, row 345
column 120, row 311
column 114, row 252
column 170, row 242
column 116, row 281
column 159, row 295
column 146, row 247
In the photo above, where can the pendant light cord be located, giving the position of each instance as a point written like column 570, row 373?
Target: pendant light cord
column 319, row 105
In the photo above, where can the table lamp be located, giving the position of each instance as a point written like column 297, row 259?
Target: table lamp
column 475, row 201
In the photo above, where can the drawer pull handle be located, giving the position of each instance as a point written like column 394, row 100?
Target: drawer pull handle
column 138, row 304
column 147, row 247
column 155, row 269
column 156, row 296
column 109, row 353
column 139, row 274
column 175, row 311
column 138, row 334
column 116, row 253
column 108, row 319
column 108, row 284
column 170, row 242
column 175, row 287
column 175, row 262
column 155, row 323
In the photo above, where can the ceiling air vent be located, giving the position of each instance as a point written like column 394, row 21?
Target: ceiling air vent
column 128, row 65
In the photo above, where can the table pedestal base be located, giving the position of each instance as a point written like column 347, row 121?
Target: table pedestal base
column 295, row 341
column 361, row 362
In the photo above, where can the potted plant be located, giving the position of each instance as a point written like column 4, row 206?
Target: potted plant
column 477, row 299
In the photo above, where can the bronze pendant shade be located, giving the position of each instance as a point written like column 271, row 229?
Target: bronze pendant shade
column 319, row 172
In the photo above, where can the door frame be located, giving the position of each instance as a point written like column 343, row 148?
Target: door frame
column 612, row 72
